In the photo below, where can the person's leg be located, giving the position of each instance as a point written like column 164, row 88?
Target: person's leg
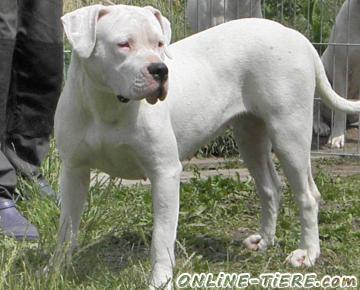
column 7, row 177
column 8, row 23
column 36, row 85
column 12, row 223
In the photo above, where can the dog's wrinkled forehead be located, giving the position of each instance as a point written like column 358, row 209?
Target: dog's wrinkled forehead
column 129, row 22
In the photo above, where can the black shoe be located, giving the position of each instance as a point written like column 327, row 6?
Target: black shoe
column 13, row 224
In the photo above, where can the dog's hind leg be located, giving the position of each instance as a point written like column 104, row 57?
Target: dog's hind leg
column 292, row 146
column 255, row 149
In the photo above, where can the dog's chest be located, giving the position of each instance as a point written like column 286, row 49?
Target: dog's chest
column 111, row 151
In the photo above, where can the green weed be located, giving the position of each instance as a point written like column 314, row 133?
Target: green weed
column 216, row 214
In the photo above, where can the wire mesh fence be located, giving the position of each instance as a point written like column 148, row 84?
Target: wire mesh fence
column 333, row 26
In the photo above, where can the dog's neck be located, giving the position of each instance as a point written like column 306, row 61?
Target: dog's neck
column 100, row 103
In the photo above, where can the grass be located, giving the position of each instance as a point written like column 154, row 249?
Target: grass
column 215, row 215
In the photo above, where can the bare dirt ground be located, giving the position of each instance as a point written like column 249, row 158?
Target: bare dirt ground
column 323, row 158
column 352, row 144
column 333, row 165
column 234, row 168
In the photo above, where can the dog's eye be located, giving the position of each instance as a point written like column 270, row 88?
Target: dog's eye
column 160, row 44
column 124, row 44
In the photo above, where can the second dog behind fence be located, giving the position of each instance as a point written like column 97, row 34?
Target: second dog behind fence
column 341, row 60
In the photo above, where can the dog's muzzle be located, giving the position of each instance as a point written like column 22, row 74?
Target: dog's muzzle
column 159, row 71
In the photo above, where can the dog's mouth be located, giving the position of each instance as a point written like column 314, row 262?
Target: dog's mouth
column 159, row 94
column 151, row 99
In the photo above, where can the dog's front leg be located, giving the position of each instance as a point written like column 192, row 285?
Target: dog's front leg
column 338, row 134
column 74, row 185
column 340, row 81
column 165, row 192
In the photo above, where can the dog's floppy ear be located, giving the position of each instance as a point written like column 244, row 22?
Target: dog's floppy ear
column 80, row 28
column 164, row 23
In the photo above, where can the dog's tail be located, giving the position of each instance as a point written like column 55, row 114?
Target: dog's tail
column 328, row 95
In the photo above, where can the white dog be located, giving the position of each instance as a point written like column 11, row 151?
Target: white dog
column 203, row 14
column 342, row 65
column 253, row 74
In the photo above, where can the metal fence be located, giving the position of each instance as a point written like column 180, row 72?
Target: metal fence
column 333, row 26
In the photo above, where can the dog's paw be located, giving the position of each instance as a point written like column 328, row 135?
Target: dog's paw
column 302, row 258
column 337, row 142
column 167, row 287
column 161, row 278
column 322, row 129
column 255, row 243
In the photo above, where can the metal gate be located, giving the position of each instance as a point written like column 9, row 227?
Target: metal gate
column 331, row 25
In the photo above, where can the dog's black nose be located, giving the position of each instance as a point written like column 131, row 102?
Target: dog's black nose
column 159, row 71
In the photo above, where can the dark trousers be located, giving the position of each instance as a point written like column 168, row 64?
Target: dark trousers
column 31, row 66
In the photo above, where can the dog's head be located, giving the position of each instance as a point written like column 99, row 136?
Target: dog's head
column 122, row 48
